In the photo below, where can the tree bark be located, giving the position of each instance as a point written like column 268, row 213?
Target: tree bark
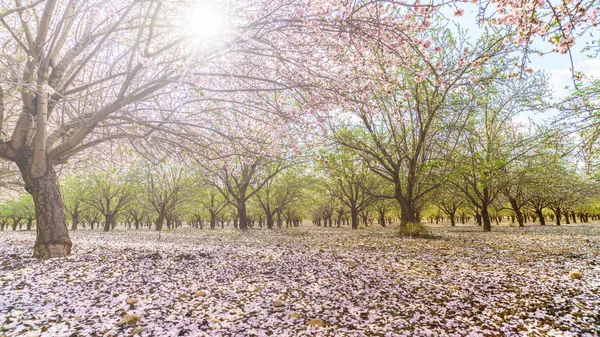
column 541, row 217
column 485, row 217
column 243, row 217
column 517, row 210
column 407, row 213
column 213, row 220
column 75, row 219
column 382, row 219
column 566, row 213
column 52, row 235
column 354, row 217
column 159, row 221
column 107, row 222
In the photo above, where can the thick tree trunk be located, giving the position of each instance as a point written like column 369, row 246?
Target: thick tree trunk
column 478, row 219
column 354, row 218
column 407, row 213
column 517, row 210
column 557, row 213
column 159, row 221
column 382, row 219
column 243, row 217
column 213, row 220
column 52, row 235
column 75, row 219
column 541, row 217
column 270, row 220
column 566, row 213
column 108, row 222
column 485, row 218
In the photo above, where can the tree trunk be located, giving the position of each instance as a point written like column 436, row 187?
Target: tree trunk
column 485, row 217
column 75, row 219
column 243, row 217
column 159, row 221
column 453, row 219
column 52, row 235
column 517, row 210
column 270, row 220
column 557, row 213
column 107, row 222
column 541, row 217
column 407, row 213
column 354, row 218
column 213, row 220
column 382, row 219
column 566, row 213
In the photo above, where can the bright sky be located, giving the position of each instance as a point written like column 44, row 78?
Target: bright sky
column 556, row 66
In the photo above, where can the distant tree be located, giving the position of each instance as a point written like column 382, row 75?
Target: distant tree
column 109, row 192
column 212, row 202
column 349, row 180
column 448, row 201
column 166, row 189
column 382, row 207
column 241, row 178
column 492, row 141
column 279, row 193
column 74, row 191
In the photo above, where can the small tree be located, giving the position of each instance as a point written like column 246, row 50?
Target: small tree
column 349, row 180
column 279, row 193
column 165, row 187
column 109, row 192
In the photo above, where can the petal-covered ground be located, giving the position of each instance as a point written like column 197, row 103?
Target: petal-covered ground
column 307, row 281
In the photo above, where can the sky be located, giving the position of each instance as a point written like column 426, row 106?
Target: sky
column 555, row 65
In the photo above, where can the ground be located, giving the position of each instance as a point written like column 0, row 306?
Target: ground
column 537, row 281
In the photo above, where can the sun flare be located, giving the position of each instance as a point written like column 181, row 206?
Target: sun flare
column 205, row 20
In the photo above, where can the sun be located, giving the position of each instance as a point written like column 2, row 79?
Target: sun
column 205, row 20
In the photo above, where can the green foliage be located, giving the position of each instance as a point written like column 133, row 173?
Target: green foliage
column 414, row 230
